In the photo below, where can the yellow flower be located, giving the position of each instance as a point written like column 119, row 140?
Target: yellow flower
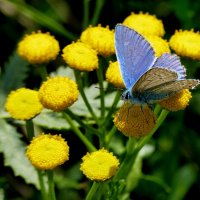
column 145, row 24
column 159, row 45
column 80, row 56
column 186, row 43
column 133, row 120
column 58, row 93
column 99, row 38
column 178, row 101
column 114, row 76
column 23, row 104
column 47, row 151
column 99, row 165
column 38, row 48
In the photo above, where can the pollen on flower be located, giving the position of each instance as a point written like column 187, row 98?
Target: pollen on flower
column 99, row 165
column 186, row 43
column 177, row 102
column 80, row 56
column 133, row 120
column 99, row 38
column 114, row 76
column 23, row 104
column 145, row 24
column 47, row 151
column 38, row 48
column 159, row 45
column 58, row 93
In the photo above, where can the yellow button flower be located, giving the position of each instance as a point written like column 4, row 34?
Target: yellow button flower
column 47, row 151
column 38, row 48
column 145, row 24
column 99, row 165
column 177, row 102
column 80, row 56
column 134, row 121
column 99, row 38
column 114, row 76
column 58, row 93
column 23, row 104
column 159, row 45
column 186, row 43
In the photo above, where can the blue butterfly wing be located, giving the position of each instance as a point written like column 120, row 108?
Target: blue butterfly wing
column 171, row 62
column 134, row 54
column 169, row 89
column 160, row 83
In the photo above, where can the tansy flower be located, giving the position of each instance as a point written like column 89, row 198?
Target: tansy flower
column 133, row 120
column 58, row 93
column 99, row 38
column 38, row 48
column 159, row 45
column 47, row 151
column 186, row 43
column 145, row 24
column 178, row 101
column 113, row 75
column 80, row 56
column 99, row 165
column 23, row 104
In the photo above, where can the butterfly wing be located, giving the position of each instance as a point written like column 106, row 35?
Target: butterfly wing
column 154, row 78
column 171, row 62
column 134, row 54
column 160, row 83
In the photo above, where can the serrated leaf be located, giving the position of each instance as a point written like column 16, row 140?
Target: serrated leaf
column 51, row 120
column 15, row 73
column 13, row 150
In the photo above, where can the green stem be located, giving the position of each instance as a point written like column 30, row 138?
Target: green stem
column 93, row 191
column 42, row 71
column 131, row 156
column 42, row 185
column 51, row 188
column 113, row 107
column 85, row 14
column 30, row 129
column 81, row 123
column 80, row 84
column 41, row 18
column 109, row 135
column 81, row 136
column 98, row 8
column 102, row 92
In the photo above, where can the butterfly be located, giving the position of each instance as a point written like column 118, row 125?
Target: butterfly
column 148, row 79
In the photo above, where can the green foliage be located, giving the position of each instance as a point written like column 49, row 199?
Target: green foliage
column 13, row 150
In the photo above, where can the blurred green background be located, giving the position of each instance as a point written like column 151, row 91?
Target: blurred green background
column 176, row 159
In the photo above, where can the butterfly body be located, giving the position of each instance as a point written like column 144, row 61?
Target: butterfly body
column 148, row 79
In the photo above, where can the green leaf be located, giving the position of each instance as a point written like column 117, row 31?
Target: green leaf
column 15, row 73
column 13, row 150
column 2, row 194
column 182, row 181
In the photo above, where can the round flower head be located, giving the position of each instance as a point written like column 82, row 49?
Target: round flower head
column 38, row 48
column 47, row 151
column 58, row 93
column 99, row 165
column 186, row 43
column 133, row 120
column 80, row 56
column 23, row 104
column 159, row 45
column 114, row 76
column 99, row 38
column 178, row 101
column 145, row 24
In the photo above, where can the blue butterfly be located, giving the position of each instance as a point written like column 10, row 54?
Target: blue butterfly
column 148, row 79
